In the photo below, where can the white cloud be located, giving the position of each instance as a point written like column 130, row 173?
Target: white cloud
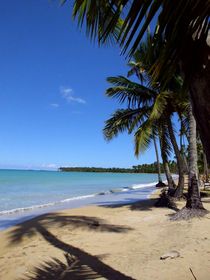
column 49, row 165
column 55, row 105
column 68, row 94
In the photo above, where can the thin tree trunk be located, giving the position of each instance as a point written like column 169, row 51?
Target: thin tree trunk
column 179, row 191
column 206, row 170
column 171, row 184
column 186, row 170
column 158, row 161
column 185, row 163
column 193, row 198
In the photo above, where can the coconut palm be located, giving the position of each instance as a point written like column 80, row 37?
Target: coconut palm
column 145, row 56
column 138, row 118
column 182, row 31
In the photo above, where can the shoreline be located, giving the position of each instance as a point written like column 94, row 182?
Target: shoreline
column 108, row 241
column 117, row 196
column 124, row 195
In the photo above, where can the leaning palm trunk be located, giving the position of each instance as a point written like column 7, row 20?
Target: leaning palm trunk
column 180, row 164
column 193, row 199
column 160, row 182
column 171, row 184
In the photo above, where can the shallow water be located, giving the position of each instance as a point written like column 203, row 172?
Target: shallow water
column 25, row 194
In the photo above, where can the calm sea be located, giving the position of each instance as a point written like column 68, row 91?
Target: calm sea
column 23, row 191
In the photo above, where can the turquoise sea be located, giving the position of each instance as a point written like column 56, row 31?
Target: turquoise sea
column 26, row 193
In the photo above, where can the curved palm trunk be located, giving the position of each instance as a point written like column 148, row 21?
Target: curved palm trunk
column 180, row 164
column 158, row 161
column 193, row 199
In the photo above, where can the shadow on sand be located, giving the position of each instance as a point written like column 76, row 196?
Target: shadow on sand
column 78, row 263
column 142, row 205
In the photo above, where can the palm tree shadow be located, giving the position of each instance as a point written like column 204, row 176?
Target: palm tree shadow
column 133, row 205
column 141, row 205
column 79, row 264
column 72, row 268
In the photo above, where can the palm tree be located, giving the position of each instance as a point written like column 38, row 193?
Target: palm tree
column 139, row 117
column 144, row 57
column 182, row 31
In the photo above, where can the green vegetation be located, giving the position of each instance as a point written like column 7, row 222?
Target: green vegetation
column 142, row 168
column 173, row 72
column 181, row 35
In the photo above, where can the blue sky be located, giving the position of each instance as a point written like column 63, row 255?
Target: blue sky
column 52, row 88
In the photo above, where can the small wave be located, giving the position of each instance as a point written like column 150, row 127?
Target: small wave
column 50, row 204
column 77, row 198
column 140, row 186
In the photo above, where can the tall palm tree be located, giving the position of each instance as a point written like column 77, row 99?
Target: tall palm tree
column 139, row 118
column 144, row 57
column 182, row 31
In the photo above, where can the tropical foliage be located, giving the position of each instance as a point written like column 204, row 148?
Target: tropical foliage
column 181, row 31
column 179, row 44
column 140, row 168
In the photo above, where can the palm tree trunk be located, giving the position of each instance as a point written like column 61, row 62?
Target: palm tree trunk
column 180, row 164
column 186, row 168
column 199, row 90
column 171, row 184
column 182, row 132
column 158, row 161
column 206, row 170
column 193, row 199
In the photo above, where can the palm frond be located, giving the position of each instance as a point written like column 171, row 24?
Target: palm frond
column 53, row 269
column 165, row 140
column 130, row 92
column 143, row 137
column 98, row 17
column 159, row 105
column 124, row 120
column 177, row 25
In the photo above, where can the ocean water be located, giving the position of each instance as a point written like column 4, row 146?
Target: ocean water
column 25, row 194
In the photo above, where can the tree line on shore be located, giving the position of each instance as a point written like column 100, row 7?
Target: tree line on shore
column 141, row 168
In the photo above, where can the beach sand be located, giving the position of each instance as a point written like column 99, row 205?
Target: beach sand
column 120, row 242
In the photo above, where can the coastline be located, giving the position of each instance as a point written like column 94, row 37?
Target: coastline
column 123, row 195
column 110, row 242
column 116, row 196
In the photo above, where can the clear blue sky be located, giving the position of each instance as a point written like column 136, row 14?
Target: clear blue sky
column 52, row 84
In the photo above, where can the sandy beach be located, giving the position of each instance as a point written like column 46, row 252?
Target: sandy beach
column 95, row 242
